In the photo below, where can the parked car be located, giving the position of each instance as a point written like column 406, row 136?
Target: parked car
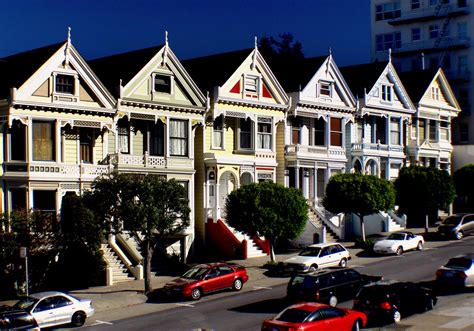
column 315, row 316
column 457, row 226
column 318, row 256
column 458, row 272
column 388, row 301
column 13, row 319
column 206, row 278
column 56, row 308
column 399, row 242
column 330, row 286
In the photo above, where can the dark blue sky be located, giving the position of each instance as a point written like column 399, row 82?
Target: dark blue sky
column 104, row 27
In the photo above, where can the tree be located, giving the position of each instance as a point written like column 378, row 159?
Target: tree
column 359, row 194
column 267, row 209
column 464, row 182
column 422, row 191
column 150, row 205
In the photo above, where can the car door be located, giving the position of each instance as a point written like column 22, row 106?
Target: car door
column 333, row 319
column 409, row 241
column 469, row 224
column 226, row 276
column 211, row 280
column 324, row 259
column 44, row 313
column 63, row 309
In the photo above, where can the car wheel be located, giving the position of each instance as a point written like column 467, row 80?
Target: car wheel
column 419, row 246
column 196, row 294
column 237, row 286
column 343, row 263
column 313, row 267
column 459, row 235
column 397, row 317
column 399, row 250
column 356, row 326
column 78, row 319
column 333, row 301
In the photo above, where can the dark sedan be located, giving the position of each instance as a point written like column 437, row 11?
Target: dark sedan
column 14, row 319
column 388, row 301
column 206, row 278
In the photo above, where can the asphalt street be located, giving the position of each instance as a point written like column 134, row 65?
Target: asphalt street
column 246, row 311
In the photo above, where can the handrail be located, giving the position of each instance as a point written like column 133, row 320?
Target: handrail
column 130, row 248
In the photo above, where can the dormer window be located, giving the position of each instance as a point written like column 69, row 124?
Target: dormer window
column 162, row 83
column 387, row 93
column 65, row 84
column 325, row 89
column 251, row 84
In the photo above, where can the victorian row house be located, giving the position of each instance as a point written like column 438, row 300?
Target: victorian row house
column 213, row 123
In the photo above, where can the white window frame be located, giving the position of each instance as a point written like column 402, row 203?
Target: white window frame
column 265, row 121
column 432, row 29
column 413, row 34
column 325, row 86
column 164, row 74
column 219, row 131
column 252, row 84
column 184, row 138
column 62, row 97
column 239, row 131
column 386, row 92
column 435, row 93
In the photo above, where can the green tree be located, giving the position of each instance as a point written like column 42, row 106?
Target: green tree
column 360, row 194
column 422, row 191
column 464, row 182
column 267, row 209
column 150, row 205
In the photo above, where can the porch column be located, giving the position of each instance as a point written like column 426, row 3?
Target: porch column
column 297, row 177
column 387, row 130
column 306, row 183
column 217, row 210
column 57, row 140
column 29, row 141
column 327, row 132
column 287, row 177
column 315, row 184
column 343, row 128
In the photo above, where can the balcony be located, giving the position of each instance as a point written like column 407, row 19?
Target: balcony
column 315, row 153
column 373, row 149
column 54, row 171
column 136, row 162
column 428, row 14
column 431, row 45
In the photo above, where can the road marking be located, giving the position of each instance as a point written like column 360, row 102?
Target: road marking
column 460, row 323
column 256, row 288
column 185, row 305
column 97, row 322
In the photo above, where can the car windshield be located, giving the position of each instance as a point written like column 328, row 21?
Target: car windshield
column 452, row 220
column 396, row 236
column 293, row 315
column 459, row 263
column 310, row 251
column 26, row 303
column 195, row 273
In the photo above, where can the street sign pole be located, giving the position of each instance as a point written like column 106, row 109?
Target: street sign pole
column 24, row 255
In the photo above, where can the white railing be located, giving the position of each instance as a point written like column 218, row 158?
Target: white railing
column 376, row 147
column 316, row 151
column 335, row 222
column 54, row 169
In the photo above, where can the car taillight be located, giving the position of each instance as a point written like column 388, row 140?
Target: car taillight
column 386, row 305
column 462, row 275
column 439, row 273
column 317, row 296
column 356, row 302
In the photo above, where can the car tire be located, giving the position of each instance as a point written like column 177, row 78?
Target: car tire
column 357, row 325
column 78, row 319
column 196, row 293
column 343, row 263
column 459, row 235
column 333, row 301
column 419, row 247
column 396, row 316
column 399, row 250
column 313, row 267
column 237, row 285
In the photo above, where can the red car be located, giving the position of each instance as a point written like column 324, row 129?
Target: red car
column 315, row 316
column 205, row 278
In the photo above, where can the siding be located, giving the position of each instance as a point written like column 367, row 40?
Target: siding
column 199, row 210
column 70, row 147
column 137, row 141
column 280, row 153
column 111, row 142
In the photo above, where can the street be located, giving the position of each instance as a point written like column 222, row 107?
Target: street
column 245, row 311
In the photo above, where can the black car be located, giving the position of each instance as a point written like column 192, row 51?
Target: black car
column 388, row 301
column 330, row 285
column 11, row 319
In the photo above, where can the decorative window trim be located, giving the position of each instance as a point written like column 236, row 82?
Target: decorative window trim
column 435, row 93
column 239, row 131
column 252, row 86
column 326, row 87
column 386, row 93
column 265, row 121
column 165, row 74
column 221, row 131
column 61, row 97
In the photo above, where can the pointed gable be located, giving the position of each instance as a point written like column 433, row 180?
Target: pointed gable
column 54, row 74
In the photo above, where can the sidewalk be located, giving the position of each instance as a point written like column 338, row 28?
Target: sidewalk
column 127, row 294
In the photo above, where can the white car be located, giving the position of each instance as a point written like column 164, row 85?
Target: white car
column 318, row 256
column 399, row 242
column 457, row 273
column 56, row 308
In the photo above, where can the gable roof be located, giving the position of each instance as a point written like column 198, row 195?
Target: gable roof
column 124, row 66
column 362, row 77
column 417, row 82
column 16, row 69
column 215, row 70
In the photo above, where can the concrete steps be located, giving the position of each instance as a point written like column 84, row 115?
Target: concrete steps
column 253, row 250
column 119, row 271
column 318, row 223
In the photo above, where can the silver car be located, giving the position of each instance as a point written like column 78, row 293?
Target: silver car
column 318, row 256
column 458, row 272
column 56, row 308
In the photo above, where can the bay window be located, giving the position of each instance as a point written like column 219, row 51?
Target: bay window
column 264, row 134
column 44, row 141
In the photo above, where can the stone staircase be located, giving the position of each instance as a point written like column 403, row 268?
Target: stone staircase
column 318, row 223
column 119, row 271
column 252, row 248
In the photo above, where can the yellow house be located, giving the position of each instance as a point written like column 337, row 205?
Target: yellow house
column 242, row 141
column 56, row 117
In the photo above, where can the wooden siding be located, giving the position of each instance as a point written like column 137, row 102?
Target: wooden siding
column 280, row 153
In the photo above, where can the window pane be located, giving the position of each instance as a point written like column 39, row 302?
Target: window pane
column 179, row 137
column 245, row 134
column 336, row 132
column 162, row 83
column 65, row 84
column 43, row 141
column 319, row 128
column 86, row 142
